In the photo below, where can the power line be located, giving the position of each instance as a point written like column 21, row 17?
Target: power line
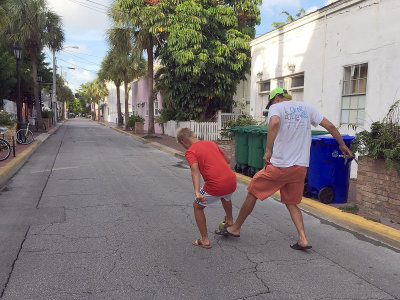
column 91, row 7
column 96, row 64
column 97, row 3
column 82, row 54
column 79, row 67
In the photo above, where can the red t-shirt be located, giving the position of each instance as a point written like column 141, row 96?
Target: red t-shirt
column 219, row 179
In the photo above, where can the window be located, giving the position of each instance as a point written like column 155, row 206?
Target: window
column 354, row 94
column 156, row 110
column 265, row 86
column 146, row 106
column 297, row 82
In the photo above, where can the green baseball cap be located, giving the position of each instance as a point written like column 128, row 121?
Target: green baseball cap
column 277, row 91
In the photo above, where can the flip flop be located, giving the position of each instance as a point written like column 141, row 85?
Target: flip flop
column 298, row 247
column 200, row 244
column 225, row 232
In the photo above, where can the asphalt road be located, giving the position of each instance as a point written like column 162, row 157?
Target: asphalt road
column 96, row 214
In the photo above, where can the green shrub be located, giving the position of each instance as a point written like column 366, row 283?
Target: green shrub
column 134, row 118
column 242, row 120
column 382, row 141
column 7, row 119
column 47, row 114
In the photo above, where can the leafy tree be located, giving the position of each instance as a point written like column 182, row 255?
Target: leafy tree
column 93, row 92
column 64, row 93
column 8, row 77
column 289, row 18
column 206, row 55
column 32, row 24
column 75, row 106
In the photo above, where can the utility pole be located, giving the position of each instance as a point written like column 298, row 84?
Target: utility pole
column 54, row 98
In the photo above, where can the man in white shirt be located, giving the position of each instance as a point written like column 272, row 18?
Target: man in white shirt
column 289, row 132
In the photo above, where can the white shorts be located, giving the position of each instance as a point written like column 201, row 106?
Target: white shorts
column 212, row 199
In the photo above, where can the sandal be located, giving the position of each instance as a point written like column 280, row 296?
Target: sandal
column 200, row 244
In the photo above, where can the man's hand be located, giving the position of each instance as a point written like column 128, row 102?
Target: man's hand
column 267, row 157
column 201, row 198
column 346, row 151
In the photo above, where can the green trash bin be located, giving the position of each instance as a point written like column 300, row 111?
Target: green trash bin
column 241, row 148
column 257, row 144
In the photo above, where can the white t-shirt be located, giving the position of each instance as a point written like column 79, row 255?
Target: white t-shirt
column 293, row 140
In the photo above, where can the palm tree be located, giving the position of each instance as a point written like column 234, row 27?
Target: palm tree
column 110, row 71
column 289, row 18
column 129, row 59
column 32, row 24
column 133, row 14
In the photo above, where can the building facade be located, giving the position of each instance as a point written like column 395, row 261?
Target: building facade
column 343, row 58
column 140, row 104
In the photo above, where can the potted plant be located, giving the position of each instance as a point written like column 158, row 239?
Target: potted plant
column 47, row 116
column 136, row 123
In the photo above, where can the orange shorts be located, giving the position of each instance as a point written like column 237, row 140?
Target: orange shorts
column 290, row 181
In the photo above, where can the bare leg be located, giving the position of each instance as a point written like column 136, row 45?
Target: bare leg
column 297, row 218
column 201, row 222
column 245, row 211
column 227, row 205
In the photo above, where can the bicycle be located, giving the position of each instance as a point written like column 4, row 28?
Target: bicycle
column 5, row 148
column 25, row 136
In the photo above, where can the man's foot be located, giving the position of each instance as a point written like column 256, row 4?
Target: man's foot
column 225, row 232
column 298, row 247
column 200, row 244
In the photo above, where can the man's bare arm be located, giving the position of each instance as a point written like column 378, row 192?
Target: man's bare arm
column 336, row 134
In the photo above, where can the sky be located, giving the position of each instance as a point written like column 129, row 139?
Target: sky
column 85, row 23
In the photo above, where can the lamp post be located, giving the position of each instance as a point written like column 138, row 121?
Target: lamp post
column 18, row 54
column 54, row 98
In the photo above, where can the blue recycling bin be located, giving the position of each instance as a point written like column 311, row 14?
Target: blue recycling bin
column 328, row 173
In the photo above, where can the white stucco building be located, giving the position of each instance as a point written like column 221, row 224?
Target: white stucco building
column 343, row 58
column 109, row 106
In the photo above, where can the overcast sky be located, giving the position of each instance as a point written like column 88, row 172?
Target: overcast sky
column 85, row 23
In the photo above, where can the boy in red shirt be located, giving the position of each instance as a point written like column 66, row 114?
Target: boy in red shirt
column 208, row 160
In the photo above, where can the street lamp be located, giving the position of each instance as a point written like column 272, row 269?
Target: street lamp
column 54, row 98
column 18, row 54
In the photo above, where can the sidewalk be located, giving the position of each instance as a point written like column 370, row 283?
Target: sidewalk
column 12, row 164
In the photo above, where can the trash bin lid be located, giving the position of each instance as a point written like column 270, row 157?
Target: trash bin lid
column 327, row 138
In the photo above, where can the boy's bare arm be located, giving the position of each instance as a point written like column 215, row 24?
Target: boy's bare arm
column 194, row 168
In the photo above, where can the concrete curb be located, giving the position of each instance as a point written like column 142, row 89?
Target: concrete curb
column 9, row 170
column 352, row 222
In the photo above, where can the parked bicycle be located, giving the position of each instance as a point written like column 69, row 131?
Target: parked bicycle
column 25, row 136
column 5, row 148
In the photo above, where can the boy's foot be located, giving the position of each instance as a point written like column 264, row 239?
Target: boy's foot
column 200, row 244
column 298, row 247
column 225, row 232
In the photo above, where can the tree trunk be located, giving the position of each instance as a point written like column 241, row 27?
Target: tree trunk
column 38, row 107
column 204, row 110
column 150, row 127
column 126, row 99
column 117, row 85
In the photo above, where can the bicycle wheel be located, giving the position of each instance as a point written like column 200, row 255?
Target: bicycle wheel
column 24, row 137
column 5, row 149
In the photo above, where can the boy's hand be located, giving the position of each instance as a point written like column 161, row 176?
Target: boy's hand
column 201, row 198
